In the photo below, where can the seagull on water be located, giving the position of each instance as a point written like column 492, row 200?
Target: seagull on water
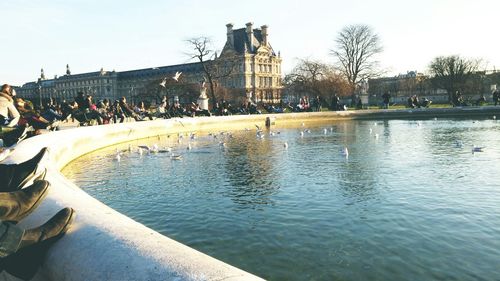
column 345, row 152
column 118, row 157
column 458, row 144
column 285, row 145
column 477, row 148
column 258, row 128
column 177, row 75
column 325, row 131
column 176, row 157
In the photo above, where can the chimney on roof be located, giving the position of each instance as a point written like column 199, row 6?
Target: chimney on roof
column 264, row 34
column 250, row 35
column 230, row 36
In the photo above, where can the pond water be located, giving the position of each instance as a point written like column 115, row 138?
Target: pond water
column 411, row 201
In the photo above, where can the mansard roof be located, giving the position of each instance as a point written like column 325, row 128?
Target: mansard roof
column 162, row 70
column 242, row 43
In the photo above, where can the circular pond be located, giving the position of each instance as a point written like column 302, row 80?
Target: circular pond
column 410, row 201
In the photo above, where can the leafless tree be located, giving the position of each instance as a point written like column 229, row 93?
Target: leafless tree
column 355, row 51
column 213, row 68
column 452, row 73
column 313, row 78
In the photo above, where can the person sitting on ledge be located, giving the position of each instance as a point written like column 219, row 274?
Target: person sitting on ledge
column 22, row 250
column 425, row 102
column 10, row 132
column 481, row 100
column 16, row 176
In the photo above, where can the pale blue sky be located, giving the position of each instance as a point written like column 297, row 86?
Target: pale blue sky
column 124, row 35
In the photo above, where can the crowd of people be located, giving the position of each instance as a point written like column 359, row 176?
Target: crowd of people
column 19, row 118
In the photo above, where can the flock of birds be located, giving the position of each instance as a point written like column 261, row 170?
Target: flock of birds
column 260, row 134
column 176, row 77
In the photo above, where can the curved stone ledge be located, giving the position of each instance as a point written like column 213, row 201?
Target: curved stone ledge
column 106, row 245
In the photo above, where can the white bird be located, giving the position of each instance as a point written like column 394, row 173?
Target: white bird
column 177, row 75
column 458, row 144
column 260, row 135
column 301, row 133
column 222, row 144
column 258, row 128
column 371, row 131
column 477, row 148
column 165, row 150
column 285, row 145
column 176, row 156
column 145, row 147
column 155, row 148
column 345, row 152
column 303, row 124
column 307, row 131
column 140, row 151
column 155, row 68
column 189, row 146
column 331, row 129
column 494, row 117
column 325, row 131
column 163, row 82
column 376, row 136
column 118, row 157
column 375, row 124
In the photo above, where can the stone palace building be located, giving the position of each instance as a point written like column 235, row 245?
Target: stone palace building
column 255, row 73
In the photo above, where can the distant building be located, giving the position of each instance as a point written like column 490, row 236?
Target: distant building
column 402, row 86
column 257, row 74
column 255, row 71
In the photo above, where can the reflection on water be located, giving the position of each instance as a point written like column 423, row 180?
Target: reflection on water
column 407, row 204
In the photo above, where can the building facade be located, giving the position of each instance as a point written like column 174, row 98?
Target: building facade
column 255, row 72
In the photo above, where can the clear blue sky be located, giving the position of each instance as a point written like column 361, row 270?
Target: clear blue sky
column 124, row 35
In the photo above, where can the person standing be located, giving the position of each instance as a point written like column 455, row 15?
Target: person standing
column 496, row 96
column 386, row 99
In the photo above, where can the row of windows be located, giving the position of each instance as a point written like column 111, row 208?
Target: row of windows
column 265, row 68
column 269, row 81
column 82, row 83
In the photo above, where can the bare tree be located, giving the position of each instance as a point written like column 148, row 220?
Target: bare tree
column 356, row 48
column 452, row 72
column 314, row 78
column 213, row 68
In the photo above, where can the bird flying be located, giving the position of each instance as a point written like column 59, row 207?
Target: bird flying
column 177, row 75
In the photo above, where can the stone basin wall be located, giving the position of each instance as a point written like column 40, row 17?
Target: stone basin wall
column 106, row 245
